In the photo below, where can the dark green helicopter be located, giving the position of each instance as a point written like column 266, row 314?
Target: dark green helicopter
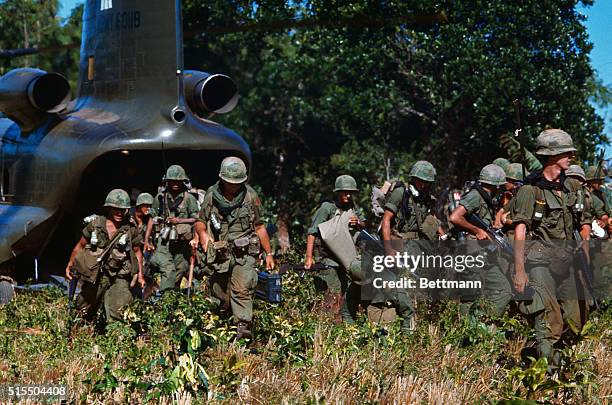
column 136, row 112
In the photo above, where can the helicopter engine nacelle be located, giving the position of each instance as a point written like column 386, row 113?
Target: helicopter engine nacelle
column 28, row 95
column 209, row 93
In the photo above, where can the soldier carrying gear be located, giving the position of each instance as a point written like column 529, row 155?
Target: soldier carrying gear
column 332, row 280
column 106, row 258
column 543, row 211
column 231, row 232
column 601, row 210
column 480, row 201
column 409, row 209
column 174, row 211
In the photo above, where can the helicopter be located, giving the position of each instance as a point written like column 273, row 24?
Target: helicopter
column 136, row 111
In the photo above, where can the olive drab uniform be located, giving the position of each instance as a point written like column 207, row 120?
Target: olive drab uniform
column 112, row 286
column 548, row 217
column 496, row 282
column 233, row 247
column 172, row 253
column 332, row 278
column 413, row 218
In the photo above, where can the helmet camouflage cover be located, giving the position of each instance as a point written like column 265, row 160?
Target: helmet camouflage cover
column 493, row 175
column 144, row 198
column 575, row 170
column 503, row 163
column 176, row 172
column 345, row 183
column 233, row 170
column 514, row 171
column 423, row 170
column 117, row 198
column 553, row 142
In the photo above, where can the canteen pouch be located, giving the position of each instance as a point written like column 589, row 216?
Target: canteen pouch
column 86, row 264
column 254, row 246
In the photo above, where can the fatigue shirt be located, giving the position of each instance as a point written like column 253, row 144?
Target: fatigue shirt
column 557, row 220
column 99, row 226
column 188, row 208
column 599, row 206
column 325, row 212
column 586, row 216
column 475, row 204
column 417, row 207
column 237, row 223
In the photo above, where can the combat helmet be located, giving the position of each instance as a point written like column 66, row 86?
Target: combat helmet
column 503, row 163
column 144, row 198
column 117, row 198
column 423, row 170
column 233, row 170
column 176, row 172
column 575, row 170
column 345, row 183
column 514, row 171
column 591, row 173
column 553, row 142
column 493, row 175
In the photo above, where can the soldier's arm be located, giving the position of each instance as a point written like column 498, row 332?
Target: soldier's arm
column 520, row 276
column 457, row 217
column 200, row 234
column 80, row 245
column 148, row 246
column 261, row 231
column 310, row 240
column 139, row 258
column 386, row 231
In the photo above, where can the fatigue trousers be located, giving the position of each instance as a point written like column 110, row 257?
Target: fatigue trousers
column 332, row 279
column 172, row 260
column 554, row 303
column 367, row 294
column 497, row 286
column 236, row 287
column 114, row 292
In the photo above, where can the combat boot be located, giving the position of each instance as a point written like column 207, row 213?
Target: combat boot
column 243, row 330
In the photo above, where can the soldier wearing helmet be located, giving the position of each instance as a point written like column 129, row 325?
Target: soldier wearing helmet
column 409, row 209
column 333, row 280
column 113, row 242
column 543, row 213
column 231, row 231
column 503, row 163
column 594, row 180
column 141, row 214
column 481, row 201
column 174, row 210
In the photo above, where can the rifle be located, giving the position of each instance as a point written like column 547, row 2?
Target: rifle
column 518, row 133
column 496, row 235
column 284, row 268
column 71, row 302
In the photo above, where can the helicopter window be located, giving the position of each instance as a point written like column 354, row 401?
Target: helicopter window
column 90, row 68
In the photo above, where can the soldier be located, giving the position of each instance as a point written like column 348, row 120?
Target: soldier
column 503, row 163
column 141, row 215
column 175, row 211
column 600, row 207
column 231, row 231
column 514, row 181
column 408, row 210
column 332, row 280
column 542, row 211
column 106, row 258
column 480, row 201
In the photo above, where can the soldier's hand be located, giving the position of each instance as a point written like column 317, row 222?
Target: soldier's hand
column 308, row 262
column 355, row 222
column 141, row 280
column 172, row 221
column 193, row 243
column 481, row 235
column 68, row 273
column 148, row 247
column 520, row 280
column 270, row 262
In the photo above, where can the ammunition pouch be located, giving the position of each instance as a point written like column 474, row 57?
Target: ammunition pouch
column 87, row 265
column 184, row 231
column 118, row 264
